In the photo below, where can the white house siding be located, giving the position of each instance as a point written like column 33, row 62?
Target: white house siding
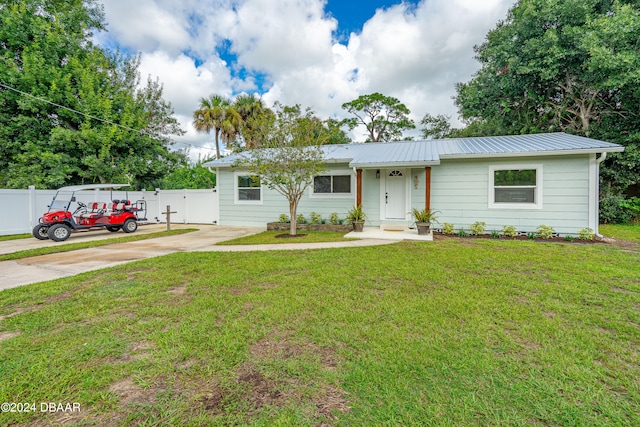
column 460, row 191
column 274, row 204
column 371, row 196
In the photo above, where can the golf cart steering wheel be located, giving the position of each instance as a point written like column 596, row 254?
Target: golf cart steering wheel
column 82, row 208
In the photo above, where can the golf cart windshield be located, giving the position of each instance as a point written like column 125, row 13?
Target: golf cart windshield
column 61, row 201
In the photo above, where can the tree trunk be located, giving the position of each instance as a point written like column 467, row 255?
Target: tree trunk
column 293, row 225
column 217, row 132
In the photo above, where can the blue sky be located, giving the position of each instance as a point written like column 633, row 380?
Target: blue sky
column 316, row 53
column 352, row 15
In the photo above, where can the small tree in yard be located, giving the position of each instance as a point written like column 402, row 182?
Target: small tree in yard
column 288, row 153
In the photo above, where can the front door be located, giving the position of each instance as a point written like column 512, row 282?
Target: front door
column 395, row 194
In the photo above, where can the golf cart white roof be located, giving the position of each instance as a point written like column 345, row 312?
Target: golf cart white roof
column 92, row 187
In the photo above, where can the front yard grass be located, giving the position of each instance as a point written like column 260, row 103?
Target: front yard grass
column 459, row 332
column 630, row 232
column 270, row 237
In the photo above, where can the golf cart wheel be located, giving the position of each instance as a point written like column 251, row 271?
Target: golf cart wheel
column 130, row 226
column 59, row 232
column 40, row 232
column 113, row 228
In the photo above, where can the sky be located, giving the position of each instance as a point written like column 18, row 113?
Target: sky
column 316, row 53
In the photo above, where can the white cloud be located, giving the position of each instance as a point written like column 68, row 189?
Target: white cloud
column 416, row 54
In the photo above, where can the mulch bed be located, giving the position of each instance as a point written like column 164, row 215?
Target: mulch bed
column 602, row 241
column 289, row 236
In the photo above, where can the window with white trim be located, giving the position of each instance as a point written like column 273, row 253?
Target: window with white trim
column 248, row 188
column 332, row 185
column 515, row 187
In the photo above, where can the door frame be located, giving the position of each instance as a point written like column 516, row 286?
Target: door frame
column 407, row 194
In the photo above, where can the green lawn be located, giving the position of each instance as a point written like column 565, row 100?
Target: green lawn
column 15, row 237
column 628, row 232
column 457, row 332
column 270, row 237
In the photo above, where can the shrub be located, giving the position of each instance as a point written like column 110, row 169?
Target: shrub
column 477, row 227
column 545, row 232
column 283, row 218
column 447, row 228
column 611, row 210
column 495, row 234
column 509, row 231
column 335, row 219
column 568, row 238
column 301, row 219
column 586, row 234
column 462, row 233
column 316, row 218
column 632, row 206
column 531, row 235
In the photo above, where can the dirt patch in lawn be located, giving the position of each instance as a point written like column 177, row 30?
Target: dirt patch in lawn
column 260, row 383
column 8, row 335
column 130, row 393
column 177, row 290
column 19, row 310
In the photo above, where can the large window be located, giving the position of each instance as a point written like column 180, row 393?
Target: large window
column 515, row 187
column 332, row 185
column 248, row 188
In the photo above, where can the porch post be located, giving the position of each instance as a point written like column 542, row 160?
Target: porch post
column 427, row 194
column 358, row 187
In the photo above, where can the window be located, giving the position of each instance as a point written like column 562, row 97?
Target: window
column 248, row 188
column 515, row 187
column 332, row 184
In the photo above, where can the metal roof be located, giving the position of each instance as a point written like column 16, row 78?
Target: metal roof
column 430, row 152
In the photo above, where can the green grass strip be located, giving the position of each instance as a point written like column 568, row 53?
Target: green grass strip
column 269, row 237
column 92, row 244
column 15, row 237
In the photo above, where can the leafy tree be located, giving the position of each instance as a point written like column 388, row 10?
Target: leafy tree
column 70, row 112
column 288, row 154
column 435, row 127
column 336, row 134
column 188, row 176
column 556, row 65
column 543, row 68
column 217, row 114
column 384, row 117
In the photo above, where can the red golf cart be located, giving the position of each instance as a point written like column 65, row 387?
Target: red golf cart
column 60, row 220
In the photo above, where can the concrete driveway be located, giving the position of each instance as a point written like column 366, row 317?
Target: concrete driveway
column 54, row 266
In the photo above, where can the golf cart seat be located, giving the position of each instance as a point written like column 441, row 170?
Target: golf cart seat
column 121, row 205
column 97, row 209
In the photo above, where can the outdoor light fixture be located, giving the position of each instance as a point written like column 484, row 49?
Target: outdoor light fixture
column 378, row 174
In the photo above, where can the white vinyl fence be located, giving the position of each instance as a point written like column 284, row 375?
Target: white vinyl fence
column 20, row 210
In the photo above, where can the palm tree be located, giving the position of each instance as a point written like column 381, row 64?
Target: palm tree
column 211, row 116
column 250, row 108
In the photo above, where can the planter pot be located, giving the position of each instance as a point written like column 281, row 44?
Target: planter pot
column 424, row 228
column 358, row 226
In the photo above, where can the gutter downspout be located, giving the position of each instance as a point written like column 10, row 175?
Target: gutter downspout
column 599, row 160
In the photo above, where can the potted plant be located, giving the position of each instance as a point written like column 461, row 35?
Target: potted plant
column 424, row 218
column 357, row 217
